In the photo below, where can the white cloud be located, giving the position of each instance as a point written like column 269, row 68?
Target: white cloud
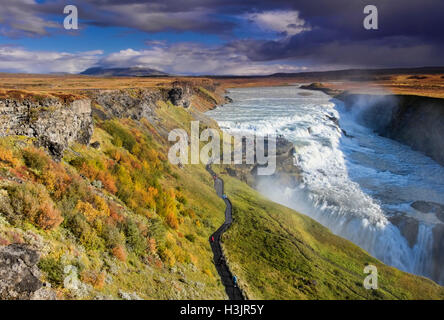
column 285, row 22
column 15, row 59
column 184, row 58
column 187, row 58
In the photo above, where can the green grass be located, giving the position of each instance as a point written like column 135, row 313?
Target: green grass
column 278, row 253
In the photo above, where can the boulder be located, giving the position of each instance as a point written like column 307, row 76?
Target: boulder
column 20, row 276
column 429, row 207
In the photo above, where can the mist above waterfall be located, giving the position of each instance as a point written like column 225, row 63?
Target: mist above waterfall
column 372, row 111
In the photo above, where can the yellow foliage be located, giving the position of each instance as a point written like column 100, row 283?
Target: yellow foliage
column 7, row 156
column 91, row 212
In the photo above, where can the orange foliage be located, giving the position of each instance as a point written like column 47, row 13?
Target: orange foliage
column 114, row 213
column 120, row 253
column 56, row 180
column 172, row 221
column 152, row 246
column 49, row 216
column 100, row 208
column 20, row 172
column 97, row 280
column 7, row 156
column 108, row 181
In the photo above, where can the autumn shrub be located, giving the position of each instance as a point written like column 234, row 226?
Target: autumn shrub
column 7, row 157
column 56, row 179
column 172, row 221
column 83, row 231
column 121, row 136
column 35, row 158
column 94, row 278
column 134, row 238
column 108, row 181
column 96, row 209
column 32, row 202
column 53, row 269
column 4, row 242
column 152, row 245
column 119, row 252
column 115, row 216
column 49, row 216
column 167, row 256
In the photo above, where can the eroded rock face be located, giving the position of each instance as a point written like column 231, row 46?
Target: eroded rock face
column 133, row 104
column 407, row 226
column 180, row 94
column 19, row 274
column 51, row 121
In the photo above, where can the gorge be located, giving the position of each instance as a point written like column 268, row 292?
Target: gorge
column 356, row 182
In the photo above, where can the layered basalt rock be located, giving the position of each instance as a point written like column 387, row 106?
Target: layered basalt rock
column 54, row 122
column 180, row 94
column 128, row 103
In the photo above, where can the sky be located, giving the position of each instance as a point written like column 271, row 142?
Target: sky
column 219, row 37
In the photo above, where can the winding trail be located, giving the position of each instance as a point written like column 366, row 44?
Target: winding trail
column 233, row 292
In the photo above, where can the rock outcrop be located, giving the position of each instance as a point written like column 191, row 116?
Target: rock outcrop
column 128, row 103
column 317, row 86
column 287, row 173
column 180, row 94
column 52, row 121
column 20, row 276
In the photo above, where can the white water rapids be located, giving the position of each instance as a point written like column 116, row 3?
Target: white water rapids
column 352, row 183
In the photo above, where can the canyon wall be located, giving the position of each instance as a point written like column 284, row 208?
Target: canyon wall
column 53, row 122
column 412, row 120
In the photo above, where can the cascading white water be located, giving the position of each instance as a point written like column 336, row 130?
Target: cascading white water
column 353, row 179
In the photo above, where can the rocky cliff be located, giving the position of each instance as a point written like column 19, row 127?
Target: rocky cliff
column 419, row 123
column 413, row 120
column 56, row 121
column 52, row 121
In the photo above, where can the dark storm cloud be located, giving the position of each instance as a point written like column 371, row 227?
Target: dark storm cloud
column 409, row 34
column 327, row 32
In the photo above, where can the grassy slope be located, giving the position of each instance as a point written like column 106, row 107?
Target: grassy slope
column 180, row 265
column 278, row 253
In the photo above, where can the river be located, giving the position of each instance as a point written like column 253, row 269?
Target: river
column 354, row 181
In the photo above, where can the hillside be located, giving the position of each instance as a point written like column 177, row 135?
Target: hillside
column 278, row 253
column 114, row 220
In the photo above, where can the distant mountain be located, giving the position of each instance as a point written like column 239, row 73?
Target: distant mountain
column 362, row 74
column 123, row 72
